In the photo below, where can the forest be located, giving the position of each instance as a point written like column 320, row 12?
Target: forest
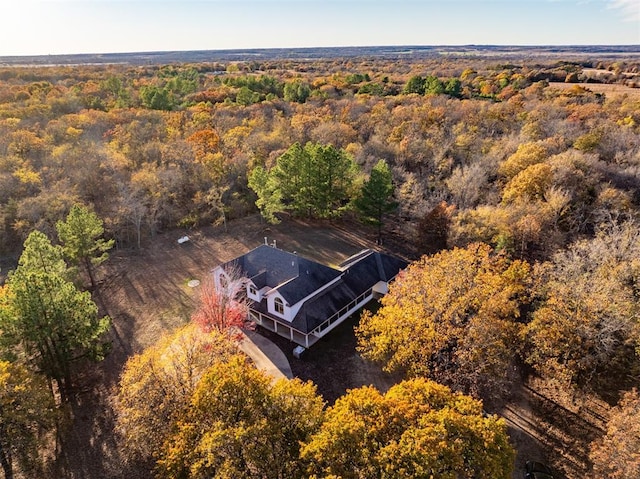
column 511, row 184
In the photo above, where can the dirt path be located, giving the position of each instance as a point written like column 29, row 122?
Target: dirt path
column 549, row 427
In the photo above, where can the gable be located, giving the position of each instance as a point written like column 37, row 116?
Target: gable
column 312, row 277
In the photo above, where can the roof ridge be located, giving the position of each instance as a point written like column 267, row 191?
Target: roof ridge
column 381, row 272
column 355, row 258
column 275, row 288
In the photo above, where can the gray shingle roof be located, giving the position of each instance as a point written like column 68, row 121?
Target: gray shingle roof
column 366, row 271
column 296, row 278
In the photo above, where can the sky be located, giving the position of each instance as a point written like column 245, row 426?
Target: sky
column 47, row 27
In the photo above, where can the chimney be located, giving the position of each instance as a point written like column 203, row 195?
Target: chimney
column 265, row 240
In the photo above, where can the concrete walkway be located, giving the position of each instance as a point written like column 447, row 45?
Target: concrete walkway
column 265, row 354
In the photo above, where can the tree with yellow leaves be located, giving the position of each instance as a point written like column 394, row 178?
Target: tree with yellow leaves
column 615, row 455
column 156, row 386
column 242, row 424
column 451, row 317
column 417, row 429
column 528, row 185
column 584, row 331
column 528, row 154
column 27, row 413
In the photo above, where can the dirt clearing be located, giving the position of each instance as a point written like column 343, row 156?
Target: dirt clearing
column 147, row 293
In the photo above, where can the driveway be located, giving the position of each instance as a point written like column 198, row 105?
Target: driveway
column 265, row 354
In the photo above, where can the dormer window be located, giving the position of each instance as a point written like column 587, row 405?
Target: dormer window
column 252, row 290
column 278, row 305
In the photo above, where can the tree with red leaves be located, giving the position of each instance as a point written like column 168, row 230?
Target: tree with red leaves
column 221, row 309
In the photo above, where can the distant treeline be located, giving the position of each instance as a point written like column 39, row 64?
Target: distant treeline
column 478, row 149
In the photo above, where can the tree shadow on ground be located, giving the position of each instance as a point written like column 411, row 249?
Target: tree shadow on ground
column 333, row 364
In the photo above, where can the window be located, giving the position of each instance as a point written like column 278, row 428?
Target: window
column 278, row 305
column 252, row 290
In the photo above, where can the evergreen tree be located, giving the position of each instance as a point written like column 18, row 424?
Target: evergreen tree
column 292, row 176
column 296, row 91
column 415, row 84
column 269, row 196
column 433, row 85
column 376, row 197
column 453, row 87
column 80, row 235
column 313, row 180
column 45, row 318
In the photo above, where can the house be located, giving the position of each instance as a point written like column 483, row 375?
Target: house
column 303, row 300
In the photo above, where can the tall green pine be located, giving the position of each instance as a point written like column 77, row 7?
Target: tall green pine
column 45, row 319
column 269, row 200
column 376, row 197
column 314, row 180
column 80, row 235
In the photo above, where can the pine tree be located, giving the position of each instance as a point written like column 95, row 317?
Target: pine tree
column 44, row 316
column 376, row 198
column 80, row 235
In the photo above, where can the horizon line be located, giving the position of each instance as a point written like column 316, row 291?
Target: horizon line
column 632, row 46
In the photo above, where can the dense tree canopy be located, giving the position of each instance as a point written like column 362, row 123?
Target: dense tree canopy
column 417, row 429
column 451, row 317
column 241, row 424
column 585, row 330
column 156, row 386
column 134, row 142
column 615, row 456
column 514, row 155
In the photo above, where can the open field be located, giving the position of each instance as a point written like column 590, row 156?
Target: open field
column 607, row 89
column 151, row 286
column 404, row 51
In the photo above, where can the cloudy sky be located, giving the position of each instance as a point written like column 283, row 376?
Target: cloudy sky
column 41, row 27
